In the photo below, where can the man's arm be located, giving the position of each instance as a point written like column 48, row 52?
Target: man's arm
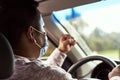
column 115, row 74
column 56, row 58
column 59, row 54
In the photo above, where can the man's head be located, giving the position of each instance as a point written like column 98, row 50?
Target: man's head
column 18, row 17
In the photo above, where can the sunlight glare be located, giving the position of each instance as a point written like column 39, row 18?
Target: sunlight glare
column 107, row 18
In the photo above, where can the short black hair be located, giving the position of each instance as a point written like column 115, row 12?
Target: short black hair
column 16, row 16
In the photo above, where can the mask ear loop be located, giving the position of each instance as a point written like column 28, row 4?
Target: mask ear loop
column 37, row 44
column 35, row 41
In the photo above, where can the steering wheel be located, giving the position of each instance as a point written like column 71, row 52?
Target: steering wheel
column 82, row 61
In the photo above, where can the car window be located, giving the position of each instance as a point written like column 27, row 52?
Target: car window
column 96, row 26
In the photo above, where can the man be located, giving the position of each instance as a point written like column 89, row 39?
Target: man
column 115, row 73
column 22, row 24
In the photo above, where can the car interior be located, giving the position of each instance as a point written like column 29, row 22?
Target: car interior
column 6, row 58
column 81, row 62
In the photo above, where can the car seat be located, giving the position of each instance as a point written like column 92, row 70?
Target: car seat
column 6, row 58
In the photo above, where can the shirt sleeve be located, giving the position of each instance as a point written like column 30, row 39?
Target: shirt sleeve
column 115, row 78
column 56, row 58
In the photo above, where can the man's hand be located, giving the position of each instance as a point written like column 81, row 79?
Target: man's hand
column 114, row 72
column 66, row 42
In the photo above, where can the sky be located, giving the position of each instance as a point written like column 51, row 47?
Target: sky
column 104, row 14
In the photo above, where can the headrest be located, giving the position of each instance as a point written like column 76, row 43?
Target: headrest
column 6, row 58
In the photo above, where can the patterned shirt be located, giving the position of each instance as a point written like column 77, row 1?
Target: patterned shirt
column 115, row 78
column 35, row 69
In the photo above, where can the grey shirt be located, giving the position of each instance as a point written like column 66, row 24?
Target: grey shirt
column 35, row 69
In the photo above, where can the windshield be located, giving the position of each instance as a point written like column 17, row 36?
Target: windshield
column 98, row 24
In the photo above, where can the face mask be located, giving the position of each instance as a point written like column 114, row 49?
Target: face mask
column 44, row 49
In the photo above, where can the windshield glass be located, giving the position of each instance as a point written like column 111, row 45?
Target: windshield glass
column 97, row 23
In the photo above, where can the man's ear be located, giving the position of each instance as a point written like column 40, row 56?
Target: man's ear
column 30, row 33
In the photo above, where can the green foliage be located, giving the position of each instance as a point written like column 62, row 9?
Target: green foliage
column 100, row 40
column 113, row 54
